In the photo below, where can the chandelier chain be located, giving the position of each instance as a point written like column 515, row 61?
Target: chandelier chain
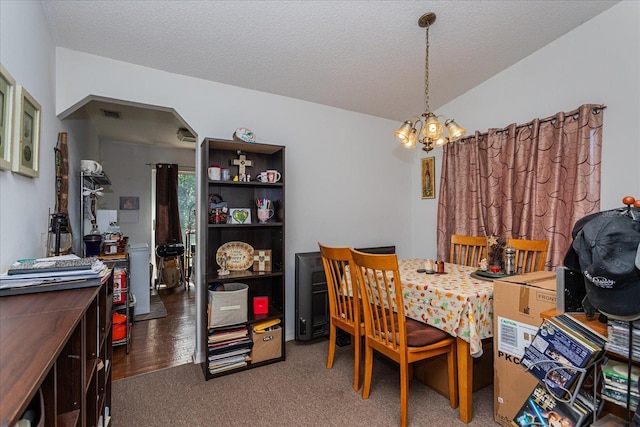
column 426, row 72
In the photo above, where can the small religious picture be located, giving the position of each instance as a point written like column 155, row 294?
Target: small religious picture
column 129, row 203
column 262, row 260
column 428, row 178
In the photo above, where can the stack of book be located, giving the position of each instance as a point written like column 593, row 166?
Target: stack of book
column 615, row 383
column 561, row 352
column 544, row 409
column 618, row 343
column 228, row 348
column 51, row 274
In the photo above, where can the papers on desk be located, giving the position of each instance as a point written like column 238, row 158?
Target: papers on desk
column 52, row 278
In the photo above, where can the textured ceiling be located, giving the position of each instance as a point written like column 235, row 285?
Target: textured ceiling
column 363, row 56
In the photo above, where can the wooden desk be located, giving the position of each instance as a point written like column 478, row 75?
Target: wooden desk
column 456, row 303
column 50, row 343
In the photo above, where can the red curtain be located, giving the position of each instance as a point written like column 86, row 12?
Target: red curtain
column 531, row 181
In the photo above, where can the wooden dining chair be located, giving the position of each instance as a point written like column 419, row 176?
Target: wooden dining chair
column 344, row 305
column 530, row 254
column 387, row 331
column 467, row 250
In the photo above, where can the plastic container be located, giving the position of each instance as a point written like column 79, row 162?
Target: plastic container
column 92, row 244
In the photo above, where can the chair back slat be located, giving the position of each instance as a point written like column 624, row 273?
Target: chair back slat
column 467, row 250
column 531, row 255
column 380, row 287
column 341, row 294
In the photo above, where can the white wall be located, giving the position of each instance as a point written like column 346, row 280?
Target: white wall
column 598, row 62
column 334, row 192
column 127, row 165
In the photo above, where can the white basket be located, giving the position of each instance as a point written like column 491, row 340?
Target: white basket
column 228, row 307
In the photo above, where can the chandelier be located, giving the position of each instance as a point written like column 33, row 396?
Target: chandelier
column 427, row 128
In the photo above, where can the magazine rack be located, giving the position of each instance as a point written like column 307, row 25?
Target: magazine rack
column 597, row 406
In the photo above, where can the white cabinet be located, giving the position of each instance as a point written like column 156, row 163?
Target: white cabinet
column 140, row 280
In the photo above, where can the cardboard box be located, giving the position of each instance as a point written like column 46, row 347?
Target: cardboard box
column 119, row 286
column 266, row 345
column 433, row 371
column 517, row 304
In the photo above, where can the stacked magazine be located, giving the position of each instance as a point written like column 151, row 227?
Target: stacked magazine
column 561, row 352
column 228, row 348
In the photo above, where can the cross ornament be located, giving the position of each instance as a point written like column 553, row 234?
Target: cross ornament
column 242, row 162
column 262, row 260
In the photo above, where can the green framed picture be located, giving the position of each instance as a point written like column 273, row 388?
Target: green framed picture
column 26, row 140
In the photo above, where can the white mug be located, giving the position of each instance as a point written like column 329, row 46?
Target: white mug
column 262, row 177
column 273, row 176
column 214, row 173
column 90, row 166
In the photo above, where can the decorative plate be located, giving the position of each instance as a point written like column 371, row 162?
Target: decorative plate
column 240, row 255
column 244, row 134
column 491, row 275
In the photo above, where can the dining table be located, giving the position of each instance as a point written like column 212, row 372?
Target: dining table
column 458, row 302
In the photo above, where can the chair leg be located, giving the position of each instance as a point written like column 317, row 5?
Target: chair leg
column 357, row 341
column 452, row 369
column 332, row 346
column 404, row 394
column 368, row 370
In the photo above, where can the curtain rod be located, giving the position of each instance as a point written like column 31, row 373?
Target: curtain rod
column 597, row 109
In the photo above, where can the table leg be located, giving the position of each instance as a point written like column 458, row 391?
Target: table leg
column 465, row 380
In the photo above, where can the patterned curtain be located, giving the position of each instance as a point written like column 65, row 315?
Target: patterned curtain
column 167, row 215
column 531, row 181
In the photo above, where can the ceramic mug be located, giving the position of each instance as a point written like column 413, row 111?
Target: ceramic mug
column 90, row 166
column 214, row 172
column 262, row 177
column 264, row 214
column 273, row 176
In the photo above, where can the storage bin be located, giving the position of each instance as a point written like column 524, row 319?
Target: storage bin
column 266, row 345
column 228, row 307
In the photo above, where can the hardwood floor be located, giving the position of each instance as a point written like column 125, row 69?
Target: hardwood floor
column 160, row 343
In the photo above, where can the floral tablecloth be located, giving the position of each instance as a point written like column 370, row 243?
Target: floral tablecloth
column 454, row 302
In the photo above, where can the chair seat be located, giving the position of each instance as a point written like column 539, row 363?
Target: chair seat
column 420, row 334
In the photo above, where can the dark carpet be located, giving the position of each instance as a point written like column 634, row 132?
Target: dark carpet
column 157, row 310
column 298, row 392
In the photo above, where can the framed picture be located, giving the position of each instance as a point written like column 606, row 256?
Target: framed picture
column 262, row 260
column 129, row 203
column 428, row 178
column 26, row 134
column 239, row 216
column 7, row 91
